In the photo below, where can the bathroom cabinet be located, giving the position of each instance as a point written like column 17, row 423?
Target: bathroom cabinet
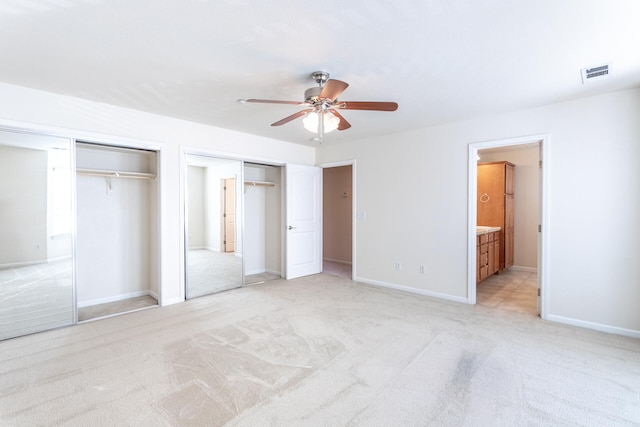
column 495, row 205
column 487, row 254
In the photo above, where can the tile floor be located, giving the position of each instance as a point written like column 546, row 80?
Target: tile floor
column 511, row 290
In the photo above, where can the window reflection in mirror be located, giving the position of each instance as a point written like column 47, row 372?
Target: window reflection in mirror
column 36, row 283
column 213, row 242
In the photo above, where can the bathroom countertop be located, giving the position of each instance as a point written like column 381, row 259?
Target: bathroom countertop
column 484, row 229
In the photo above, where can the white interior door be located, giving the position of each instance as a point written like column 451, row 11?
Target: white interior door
column 304, row 220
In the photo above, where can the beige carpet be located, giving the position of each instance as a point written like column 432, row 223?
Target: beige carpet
column 320, row 351
column 35, row 298
column 209, row 272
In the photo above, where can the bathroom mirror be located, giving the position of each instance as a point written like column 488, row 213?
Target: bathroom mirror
column 213, row 225
column 36, row 263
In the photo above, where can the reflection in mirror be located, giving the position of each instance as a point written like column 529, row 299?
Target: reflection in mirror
column 213, row 225
column 36, row 284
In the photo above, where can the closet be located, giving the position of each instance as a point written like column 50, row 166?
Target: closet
column 495, row 205
column 263, row 223
column 117, row 230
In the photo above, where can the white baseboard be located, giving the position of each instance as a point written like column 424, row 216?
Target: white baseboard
column 260, row 271
column 21, row 264
column 172, row 301
column 595, row 326
column 521, row 268
column 412, row 290
column 36, row 262
column 112, row 298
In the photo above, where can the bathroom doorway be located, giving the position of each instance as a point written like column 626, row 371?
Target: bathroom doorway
column 520, row 287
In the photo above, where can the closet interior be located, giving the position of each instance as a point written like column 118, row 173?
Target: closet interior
column 263, row 223
column 117, row 268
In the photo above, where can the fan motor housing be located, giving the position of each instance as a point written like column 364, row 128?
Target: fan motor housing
column 312, row 94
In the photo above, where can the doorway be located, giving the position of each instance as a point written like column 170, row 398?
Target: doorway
column 522, row 286
column 337, row 220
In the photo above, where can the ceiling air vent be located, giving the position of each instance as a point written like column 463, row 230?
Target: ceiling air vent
column 594, row 73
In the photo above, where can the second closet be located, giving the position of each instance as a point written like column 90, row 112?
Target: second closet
column 117, row 230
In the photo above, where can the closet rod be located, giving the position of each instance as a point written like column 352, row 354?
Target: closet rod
column 260, row 183
column 115, row 174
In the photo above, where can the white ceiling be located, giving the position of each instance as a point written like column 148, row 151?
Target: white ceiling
column 441, row 60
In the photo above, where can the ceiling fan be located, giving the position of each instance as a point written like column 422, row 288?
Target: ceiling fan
column 321, row 114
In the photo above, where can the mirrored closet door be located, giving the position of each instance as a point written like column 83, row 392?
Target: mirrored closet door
column 36, row 254
column 213, row 225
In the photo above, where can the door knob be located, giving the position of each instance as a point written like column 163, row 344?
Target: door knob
column 291, row 227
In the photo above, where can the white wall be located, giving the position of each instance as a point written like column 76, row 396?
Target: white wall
column 273, row 222
column 195, row 207
column 23, row 206
column 254, row 221
column 59, row 213
column 526, row 201
column 115, row 222
column 263, row 229
column 24, row 108
column 415, row 199
column 414, row 196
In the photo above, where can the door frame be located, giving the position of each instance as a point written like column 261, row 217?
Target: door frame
column 543, row 258
column 351, row 163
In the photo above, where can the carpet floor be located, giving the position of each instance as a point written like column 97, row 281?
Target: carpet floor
column 320, row 351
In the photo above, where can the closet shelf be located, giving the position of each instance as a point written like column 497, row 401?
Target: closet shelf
column 260, row 183
column 115, row 174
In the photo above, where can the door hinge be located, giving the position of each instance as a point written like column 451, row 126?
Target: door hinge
column 539, row 228
column 538, row 291
column 539, row 163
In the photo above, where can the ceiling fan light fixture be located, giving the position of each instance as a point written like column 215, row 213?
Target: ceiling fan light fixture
column 331, row 122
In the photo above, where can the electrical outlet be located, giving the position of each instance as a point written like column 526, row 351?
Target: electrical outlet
column 398, row 266
column 421, row 268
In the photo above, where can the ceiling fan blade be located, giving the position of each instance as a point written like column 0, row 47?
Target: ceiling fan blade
column 344, row 124
column 364, row 105
column 332, row 89
column 271, row 101
column 292, row 117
